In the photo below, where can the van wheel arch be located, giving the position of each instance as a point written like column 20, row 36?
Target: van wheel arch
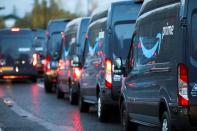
column 163, row 106
column 69, row 82
column 121, row 101
column 97, row 90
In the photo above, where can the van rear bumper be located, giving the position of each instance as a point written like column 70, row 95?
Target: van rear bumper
column 180, row 117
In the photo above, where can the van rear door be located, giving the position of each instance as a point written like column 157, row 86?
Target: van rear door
column 192, row 70
column 123, row 25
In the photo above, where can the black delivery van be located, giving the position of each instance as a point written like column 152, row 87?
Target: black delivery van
column 160, row 86
column 109, row 35
column 16, row 54
column 54, row 36
column 39, row 50
column 72, row 48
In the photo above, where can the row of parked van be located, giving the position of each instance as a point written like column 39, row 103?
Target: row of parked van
column 138, row 58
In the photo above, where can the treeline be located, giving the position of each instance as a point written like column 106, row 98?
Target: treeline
column 41, row 14
column 2, row 25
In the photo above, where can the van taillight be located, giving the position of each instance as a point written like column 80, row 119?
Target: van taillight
column 76, row 73
column 108, row 73
column 15, row 29
column 61, row 64
column 35, row 59
column 183, row 99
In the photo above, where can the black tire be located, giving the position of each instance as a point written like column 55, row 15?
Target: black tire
column 166, row 124
column 83, row 106
column 126, row 124
column 59, row 93
column 34, row 80
column 47, row 85
column 72, row 97
column 102, row 112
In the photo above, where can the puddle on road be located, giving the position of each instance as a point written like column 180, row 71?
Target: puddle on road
column 21, row 112
column 8, row 102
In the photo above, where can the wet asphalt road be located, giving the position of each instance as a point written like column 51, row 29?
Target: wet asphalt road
column 30, row 101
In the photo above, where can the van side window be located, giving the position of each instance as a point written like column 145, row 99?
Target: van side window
column 94, row 45
column 134, row 53
column 122, row 39
column 70, row 41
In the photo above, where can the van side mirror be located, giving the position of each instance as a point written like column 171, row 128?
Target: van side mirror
column 125, row 71
column 56, row 56
column 75, row 62
column 117, row 68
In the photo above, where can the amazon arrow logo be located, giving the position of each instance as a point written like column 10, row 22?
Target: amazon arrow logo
column 66, row 52
column 93, row 49
column 148, row 53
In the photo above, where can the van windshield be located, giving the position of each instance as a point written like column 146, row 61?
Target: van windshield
column 22, row 47
column 39, row 45
column 122, row 39
column 57, row 26
column 55, row 43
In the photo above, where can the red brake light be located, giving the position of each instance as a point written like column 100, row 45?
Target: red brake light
column 183, row 99
column 35, row 59
column 183, row 72
column 76, row 73
column 62, row 34
column 108, row 73
column 15, row 29
column 61, row 64
column 47, row 34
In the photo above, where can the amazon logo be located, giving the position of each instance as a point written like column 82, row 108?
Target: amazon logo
column 93, row 49
column 66, row 51
column 149, row 53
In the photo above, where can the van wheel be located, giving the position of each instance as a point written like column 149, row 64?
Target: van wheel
column 83, row 106
column 72, row 97
column 47, row 86
column 59, row 93
column 101, row 111
column 126, row 124
column 34, row 80
column 165, row 122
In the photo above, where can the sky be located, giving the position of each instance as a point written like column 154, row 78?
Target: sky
column 24, row 6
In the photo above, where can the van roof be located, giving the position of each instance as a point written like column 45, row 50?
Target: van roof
column 149, row 5
column 77, row 21
column 58, row 20
column 103, row 11
column 22, row 30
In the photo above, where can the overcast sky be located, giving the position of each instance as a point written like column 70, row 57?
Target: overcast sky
column 24, row 6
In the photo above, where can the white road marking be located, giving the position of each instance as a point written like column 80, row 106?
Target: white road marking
column 50, row 126
column 41, row 85
column 8, row 102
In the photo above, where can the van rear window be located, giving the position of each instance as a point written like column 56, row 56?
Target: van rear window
column 21, row 43
column 57, row 26
column 122, row 39
column 55, row 43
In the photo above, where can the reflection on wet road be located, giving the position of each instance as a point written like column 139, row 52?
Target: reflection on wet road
column 52, row 113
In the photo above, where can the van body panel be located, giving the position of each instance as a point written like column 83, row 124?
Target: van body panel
column 158, row 47
column 192, row 60
column 72, row 45
column 20, row 56
column 111, row 30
